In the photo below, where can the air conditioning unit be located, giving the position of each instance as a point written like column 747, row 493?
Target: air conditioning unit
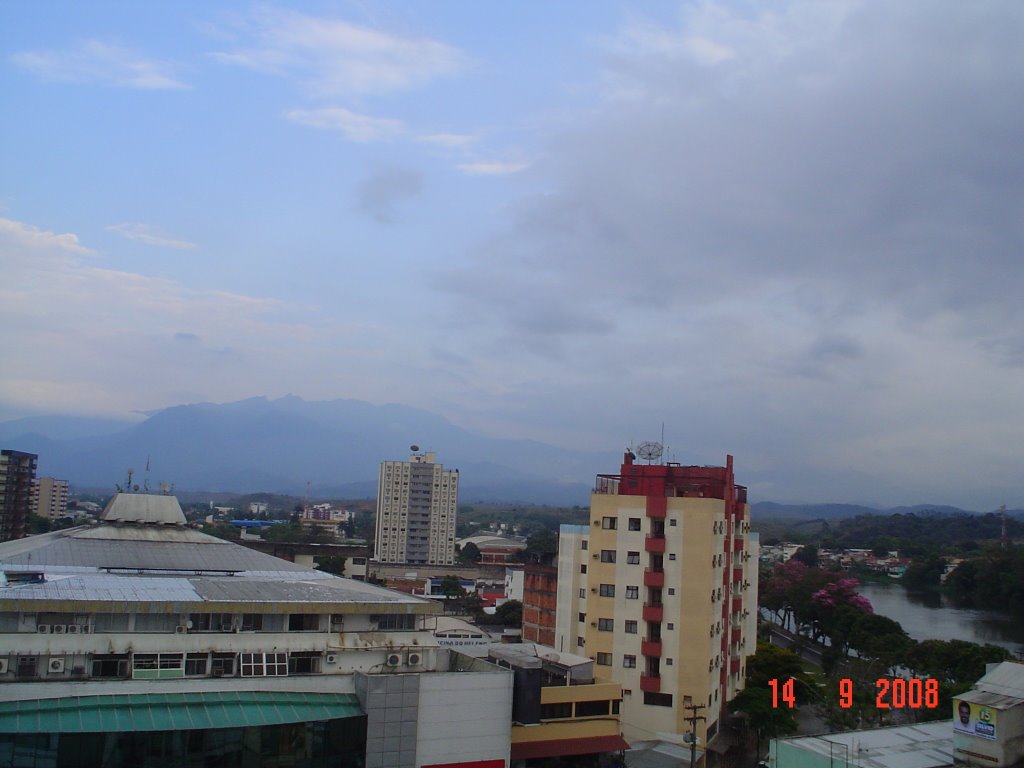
column 227, row 627
column 331, row 658
column 43, row 629
column 181, row 629
column 58, row 629
column 87, row 629
column 414, row 659
column 74, row 629
column 393, row 660
column 595, row 556
column 56, row 665
column 3, row 666
column 593, row 623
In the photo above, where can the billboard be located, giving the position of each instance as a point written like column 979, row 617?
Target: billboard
column 974, row 719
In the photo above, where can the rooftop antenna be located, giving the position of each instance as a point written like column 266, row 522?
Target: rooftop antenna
column 128, row 485
column 145, row 481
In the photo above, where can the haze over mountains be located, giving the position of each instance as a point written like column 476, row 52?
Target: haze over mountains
column 335, row 446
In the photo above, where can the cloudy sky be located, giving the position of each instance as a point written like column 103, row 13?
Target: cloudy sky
column 790, row 231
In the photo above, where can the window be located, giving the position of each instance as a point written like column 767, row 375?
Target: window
column 658, row 699
column 264, row 664
column 629, row 662
column 195, row 665
column 302, row 622
column 583, row 544
column 633, row 558
column 671, row 557
column 579, row 642
column 603, row 659
column 672, row 523
column 28, row 666
column 583, row 617
column 395, row 621
column 222, row 665
column 253, row 622
column 632, row 593
column 110, row 665
column 668, row 662
column 304, row 663
column 609, row 523
column 605, row 625
column 634, row 523
column 670, row 625
column 607, row 590
column 555, row 711
column 630, row 627
column 583, row 568
column 583, row 593
column 607, row 555
column 671, row 590
column 591, row 708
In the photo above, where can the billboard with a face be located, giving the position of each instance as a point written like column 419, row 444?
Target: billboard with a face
column 974, row 719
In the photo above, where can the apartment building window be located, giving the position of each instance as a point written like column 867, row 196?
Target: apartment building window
column 583, row 593
column 671, row 590
column 395, row 621
column 303, row 622
column 630, row 627
column 672, row 523
column 670, row 626
column 28, row 666
column 583, row 617
column 603, row 659
column 633, row 558
column 605, row 625
column 109, row 665
column 632, row 593
column 559, row 711
column 591, row 708
column 579, row 642
column 634, row 523
column 583, row 568
column 607, row 590
column 629, row 662
column 264, row 664
column 607, row 555
column 252, row 622
column 583, row 544
column 671, row 557
column 658, row 699
column 609, row 523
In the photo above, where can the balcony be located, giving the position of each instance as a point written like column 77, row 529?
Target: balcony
column 651, row 648
column 737, row 574
column 653, row 612
column 734, row 634
column 737, row 545
column 734, row 665
column 737, row 604
column 656, row 507
column 650, row 684
column 655, row 544
column 654, row 578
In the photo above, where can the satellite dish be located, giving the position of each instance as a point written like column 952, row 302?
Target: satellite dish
column 414, row 448
column 649, row 450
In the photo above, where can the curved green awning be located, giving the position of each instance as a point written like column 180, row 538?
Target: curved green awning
column 173, row 711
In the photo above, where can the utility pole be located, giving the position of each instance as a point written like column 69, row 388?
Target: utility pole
column 692, row 720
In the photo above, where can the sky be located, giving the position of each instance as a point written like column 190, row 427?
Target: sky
column 792, row 232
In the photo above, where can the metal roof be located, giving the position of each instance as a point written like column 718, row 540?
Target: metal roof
column 988, row 699
column 117, row 566
column 925, row 745
column 1006, row 678
column 172, row 711
column 147, row 508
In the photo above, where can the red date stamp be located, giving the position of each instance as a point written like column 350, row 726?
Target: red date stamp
column 890, row 693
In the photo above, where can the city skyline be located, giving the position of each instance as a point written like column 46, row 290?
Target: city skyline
column 789, row 234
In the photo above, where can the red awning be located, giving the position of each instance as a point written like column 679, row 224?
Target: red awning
column 562, row 747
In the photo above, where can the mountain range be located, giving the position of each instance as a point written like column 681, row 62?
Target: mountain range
column 329, row 449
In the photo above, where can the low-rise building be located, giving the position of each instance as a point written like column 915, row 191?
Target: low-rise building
column 141, row 642
column 988, row 725
column 925, row 745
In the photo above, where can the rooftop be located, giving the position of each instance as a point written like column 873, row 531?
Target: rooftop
column 138, row 555
column 925, row 745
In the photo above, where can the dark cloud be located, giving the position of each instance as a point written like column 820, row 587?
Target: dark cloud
column 380, row 194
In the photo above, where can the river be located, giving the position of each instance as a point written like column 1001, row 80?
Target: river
column 933, row 617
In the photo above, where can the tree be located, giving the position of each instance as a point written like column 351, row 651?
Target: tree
column 332, row 564
column 510, row 613
column 470, row 553
column 808, row 555
column 767, row 719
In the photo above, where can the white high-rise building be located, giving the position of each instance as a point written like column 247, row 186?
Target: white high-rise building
column 416, row 506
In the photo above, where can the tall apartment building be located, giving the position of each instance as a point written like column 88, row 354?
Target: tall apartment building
column 17, row 492
column 51, row 497
column 416, row 506
column 660, row 589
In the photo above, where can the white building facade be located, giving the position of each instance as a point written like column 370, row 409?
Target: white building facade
column 416, row 510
